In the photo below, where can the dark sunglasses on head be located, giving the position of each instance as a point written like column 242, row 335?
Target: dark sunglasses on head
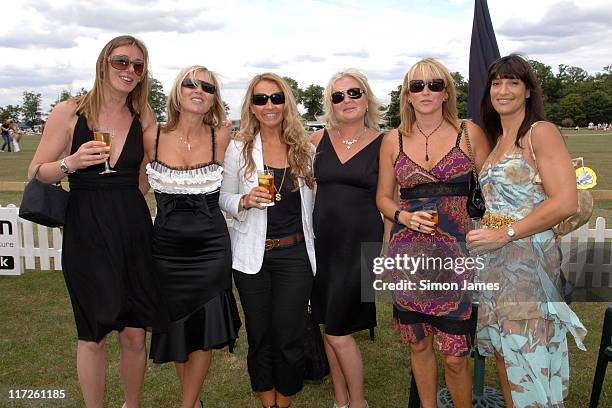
column 194, row 83
column 353, row 93
column 277, row 98
column 435, row 85
column 122, row 63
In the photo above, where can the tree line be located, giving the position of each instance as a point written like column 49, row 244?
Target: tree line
column 572, row 97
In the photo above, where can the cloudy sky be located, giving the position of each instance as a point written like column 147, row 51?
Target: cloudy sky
column 50, row 45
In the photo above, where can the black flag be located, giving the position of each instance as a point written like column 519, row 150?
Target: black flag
column 483, row 51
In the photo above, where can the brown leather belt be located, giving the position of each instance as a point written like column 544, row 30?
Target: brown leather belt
column 284, row 242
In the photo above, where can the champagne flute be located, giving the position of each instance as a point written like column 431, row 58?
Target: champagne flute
column 265, row 178
column 106, row 136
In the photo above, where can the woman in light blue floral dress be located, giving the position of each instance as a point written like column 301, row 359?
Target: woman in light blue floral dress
column 523, row 320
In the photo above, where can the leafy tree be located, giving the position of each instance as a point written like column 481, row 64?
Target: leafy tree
column 9, row 111
column 30, row 108
column 297, row 92
column 571, row 107
column 462, row 87
column 81, row 92
column 553, row 112
column 157, row 99
column 312, row 99
column 226, row 107
column 597, row 107
column 63, row 96
column 571, row 75
column 393, row 110
column 549, row 83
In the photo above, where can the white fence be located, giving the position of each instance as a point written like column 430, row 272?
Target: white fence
column 587, row 252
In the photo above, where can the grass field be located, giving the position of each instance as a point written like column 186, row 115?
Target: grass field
column 37, row 333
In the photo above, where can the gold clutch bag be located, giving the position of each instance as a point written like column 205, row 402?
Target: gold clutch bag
column 585, row 179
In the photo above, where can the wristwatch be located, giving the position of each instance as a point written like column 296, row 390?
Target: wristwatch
column 64, row 168
column 511, row 233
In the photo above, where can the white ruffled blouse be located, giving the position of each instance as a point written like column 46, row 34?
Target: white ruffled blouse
column 204, row 179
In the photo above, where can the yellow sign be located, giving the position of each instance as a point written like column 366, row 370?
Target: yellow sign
column 585, row 178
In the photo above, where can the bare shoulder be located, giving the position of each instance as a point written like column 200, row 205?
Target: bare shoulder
column 316, row 137
column 222, row 134
column 63, row 110
column 147, row 119
column 546, row 134
column 391, row 137
column 476, row 133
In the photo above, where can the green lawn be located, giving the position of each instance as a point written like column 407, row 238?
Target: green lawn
column 37, row 349
column 37, row 337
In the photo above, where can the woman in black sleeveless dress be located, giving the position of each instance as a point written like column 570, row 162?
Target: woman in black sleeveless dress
column 191, row 245
column 345, row 217
column 106, row 244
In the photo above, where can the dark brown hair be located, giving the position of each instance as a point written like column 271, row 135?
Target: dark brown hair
column 513, row 66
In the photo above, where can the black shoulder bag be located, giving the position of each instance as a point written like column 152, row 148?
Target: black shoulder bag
column 475, row 202
column 43, row 203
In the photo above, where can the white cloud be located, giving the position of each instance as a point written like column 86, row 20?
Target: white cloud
column 57, row 42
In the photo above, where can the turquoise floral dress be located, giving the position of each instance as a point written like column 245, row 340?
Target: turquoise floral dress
column 526, row 319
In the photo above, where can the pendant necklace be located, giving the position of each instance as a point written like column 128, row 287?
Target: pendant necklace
column 278, row 196
column 351, row 142
column 186, row 142
column 427, row 136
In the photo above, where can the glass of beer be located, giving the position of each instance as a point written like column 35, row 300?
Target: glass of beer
column 265, row 179
column 432, row 209
column 106, row 136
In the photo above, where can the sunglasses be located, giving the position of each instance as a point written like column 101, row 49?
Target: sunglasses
column 122, row 63
column 194, row 83
column 260, row 99
column 353, row 93
column 435, row 85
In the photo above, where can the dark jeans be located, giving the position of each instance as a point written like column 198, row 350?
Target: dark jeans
column 7, row 141
column 275, row 301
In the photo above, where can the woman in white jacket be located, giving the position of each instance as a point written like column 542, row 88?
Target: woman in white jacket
column 272, row 246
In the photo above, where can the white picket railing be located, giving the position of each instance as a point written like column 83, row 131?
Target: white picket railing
column 583, row 251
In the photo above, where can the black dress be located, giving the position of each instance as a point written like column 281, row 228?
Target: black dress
column 193, row 260
column 106, row 253
column 345, row 216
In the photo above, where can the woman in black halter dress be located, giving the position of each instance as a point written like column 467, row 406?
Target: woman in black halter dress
column 345, row 217
column 106, row 254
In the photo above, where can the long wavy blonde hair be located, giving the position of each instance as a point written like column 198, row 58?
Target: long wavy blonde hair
column 293, row 134
column 373, row 117
column 137, row 101
column 429, row 69
column 214, row 116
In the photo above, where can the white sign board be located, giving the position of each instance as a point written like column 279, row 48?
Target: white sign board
column 10, row 261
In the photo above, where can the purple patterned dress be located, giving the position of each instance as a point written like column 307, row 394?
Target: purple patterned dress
column 436, row 302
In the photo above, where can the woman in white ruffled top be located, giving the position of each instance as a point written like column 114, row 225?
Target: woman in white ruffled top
column 191, row 244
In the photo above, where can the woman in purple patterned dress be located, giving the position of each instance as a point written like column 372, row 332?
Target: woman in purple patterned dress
column 427, row 157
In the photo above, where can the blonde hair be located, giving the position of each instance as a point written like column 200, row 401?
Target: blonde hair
column 138, row 99
column 373, row 116
column 429, row 69
column 293, row 134
column 214, row 116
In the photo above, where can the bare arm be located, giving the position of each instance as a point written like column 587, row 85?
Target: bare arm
column 386, row 191
column 223, row 138
column 480, row 144
column 55, row 142
column 558, row 178
column 316, row 137
column 559, row 181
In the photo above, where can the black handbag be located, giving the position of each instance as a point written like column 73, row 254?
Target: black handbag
column 316, row 366
column 475, row 202
column 43, row 203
